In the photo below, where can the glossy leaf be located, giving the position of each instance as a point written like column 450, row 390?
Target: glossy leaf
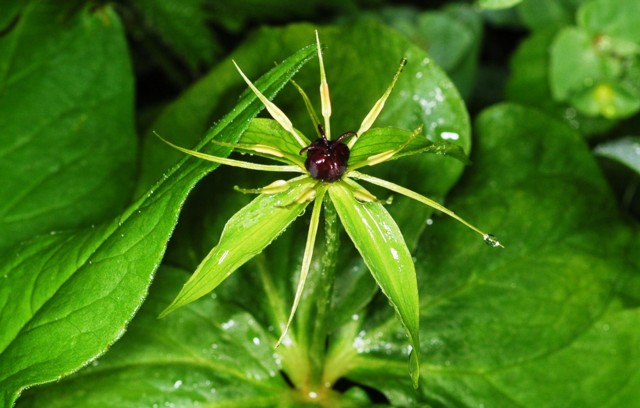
column 608, row 99
column 549, row 310
column 574, row 59
column 245, row 235
column 68, row 297
column 544, row 14
column 529, row 84
column 381, row 245
column 625, row 151
column 613, row 18
column 211, row 353
column 182, row 27
column 60, row 169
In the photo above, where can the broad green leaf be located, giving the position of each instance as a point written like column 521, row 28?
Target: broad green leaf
column 529, row 84
column 625, row 151
column 497, row 4
column 67, row 142
column 544, row 322
column 212, row 353
column 609, row 99
column 381, row 245
column 245, row 235
column 68, row 297
column 544, row 14
column 451, row 36
column 617, row 19
column 575, row 63
column 182, row 26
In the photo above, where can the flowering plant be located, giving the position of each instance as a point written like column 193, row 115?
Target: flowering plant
column 330, row 171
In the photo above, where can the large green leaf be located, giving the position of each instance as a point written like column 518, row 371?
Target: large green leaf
column 612, row 18
column 213, row 352
column 529, row 83
column 67, row 297
column 66, row 113
column 544, row 322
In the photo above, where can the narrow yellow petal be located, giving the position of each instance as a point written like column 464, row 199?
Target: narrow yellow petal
column 488, row 238
column 235, row 163
column 377, row 107
column 277, row 186
column 306, row 260
column 275, row 112
column 325, row 99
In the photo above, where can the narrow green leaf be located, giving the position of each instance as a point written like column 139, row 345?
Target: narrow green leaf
column 269, row 132
column 245, row 235
column 380, row 242
column 402, row 143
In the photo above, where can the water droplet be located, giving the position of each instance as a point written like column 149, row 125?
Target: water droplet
column 492, row 241
column 355, row 317
column 313, row 394
column 419, row 75
column 229, row 324
column 449, row 136
column 256, row 341
column 177, row 384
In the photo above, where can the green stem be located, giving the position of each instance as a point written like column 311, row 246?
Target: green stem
column 324, row 292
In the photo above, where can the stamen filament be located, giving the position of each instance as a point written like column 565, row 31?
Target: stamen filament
column 309, row 106
column 325, row 100
column 273, row 110
column 235, row 163
column 420, row 198
column 306, row 260
column 371, row 117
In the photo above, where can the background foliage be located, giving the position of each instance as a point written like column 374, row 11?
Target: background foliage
column 100, row 224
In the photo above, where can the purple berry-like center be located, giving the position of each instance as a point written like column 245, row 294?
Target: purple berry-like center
column 327, row 159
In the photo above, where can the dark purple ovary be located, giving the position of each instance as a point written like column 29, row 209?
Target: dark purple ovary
column 327, row 159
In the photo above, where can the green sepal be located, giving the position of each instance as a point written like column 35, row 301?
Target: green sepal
column 269, row 132
column 405, row 143
column 382, row 246
column 245, row 235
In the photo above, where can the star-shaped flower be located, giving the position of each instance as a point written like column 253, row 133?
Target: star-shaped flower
column 330, row 169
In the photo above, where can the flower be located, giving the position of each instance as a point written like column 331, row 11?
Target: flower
column 330, row 169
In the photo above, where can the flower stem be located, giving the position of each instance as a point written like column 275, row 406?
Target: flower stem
column 324, row 292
